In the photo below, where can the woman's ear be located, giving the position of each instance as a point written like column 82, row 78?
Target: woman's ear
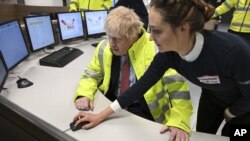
column 184, row 27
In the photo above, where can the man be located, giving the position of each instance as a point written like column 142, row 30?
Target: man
column 86, row 5
column 167, row 102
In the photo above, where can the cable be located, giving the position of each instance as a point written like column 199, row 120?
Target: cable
column 66, row 130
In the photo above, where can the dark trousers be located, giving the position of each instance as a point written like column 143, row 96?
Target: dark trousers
column 210, row 116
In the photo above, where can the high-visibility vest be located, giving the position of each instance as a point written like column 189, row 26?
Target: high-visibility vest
column 241, row 15
column 85, row 5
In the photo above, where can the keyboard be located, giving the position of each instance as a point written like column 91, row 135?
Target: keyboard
column 61, row 57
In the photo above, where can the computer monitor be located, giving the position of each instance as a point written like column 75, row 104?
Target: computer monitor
column 70, row 25
column 18, row 124
column 3, row 72
column 95, row 21
column 12, row 43
column 40, row 32
column 115, row 1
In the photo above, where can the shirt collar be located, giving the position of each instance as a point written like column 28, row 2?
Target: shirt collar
column 195, row 52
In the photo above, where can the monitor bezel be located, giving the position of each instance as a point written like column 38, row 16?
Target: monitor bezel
column 29, row 36
column 6, row 69
column 82, row 37
column 96, row 35
column 28, row 53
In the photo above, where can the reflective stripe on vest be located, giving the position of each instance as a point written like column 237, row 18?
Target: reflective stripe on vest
column 241, row 25
column 155, row 107
column 88, row 73
column 100, row 54
column 176, row 94
column 241, row 9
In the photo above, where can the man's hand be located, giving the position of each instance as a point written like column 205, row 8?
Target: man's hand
column 83, row 103
column 176, row 134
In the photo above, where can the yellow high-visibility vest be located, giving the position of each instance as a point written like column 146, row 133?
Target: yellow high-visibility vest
column 241, row 15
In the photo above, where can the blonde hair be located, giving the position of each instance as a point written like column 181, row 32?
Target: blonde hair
column 123, row 21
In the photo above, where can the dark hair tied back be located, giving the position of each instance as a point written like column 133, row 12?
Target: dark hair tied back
column 178, row 12
column 206, row 9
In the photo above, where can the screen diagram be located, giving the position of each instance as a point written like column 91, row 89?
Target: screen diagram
column 95, row 21
column 71, row 25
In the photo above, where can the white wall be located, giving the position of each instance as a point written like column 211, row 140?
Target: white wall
column 44, row 2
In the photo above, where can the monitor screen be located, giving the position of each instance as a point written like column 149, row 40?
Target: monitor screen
column 12, row 43
column 17, row 124
column 115, row 1
column 70, row 25
column 3, row 72
column 40, row 31
column 95, row 21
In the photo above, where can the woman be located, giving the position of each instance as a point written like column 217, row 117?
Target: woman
column 215, row 61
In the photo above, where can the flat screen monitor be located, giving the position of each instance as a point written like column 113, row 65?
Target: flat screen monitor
column 95, row 21
column 3, row 72
column 70, row 25
column 115, row 1
column 19, row 125
column 40, row 32
column 12, row 43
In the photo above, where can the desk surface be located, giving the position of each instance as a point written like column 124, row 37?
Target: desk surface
column 51, row 96
column 124, row 126
column 51, row 99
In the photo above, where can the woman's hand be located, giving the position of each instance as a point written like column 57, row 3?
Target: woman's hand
column 94, row 119
column 176, row 134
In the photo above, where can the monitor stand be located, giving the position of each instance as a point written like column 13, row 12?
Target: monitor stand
column 50, row 47
column 96, row 36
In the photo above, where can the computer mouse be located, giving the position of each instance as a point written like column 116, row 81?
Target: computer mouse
column 79, row 126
